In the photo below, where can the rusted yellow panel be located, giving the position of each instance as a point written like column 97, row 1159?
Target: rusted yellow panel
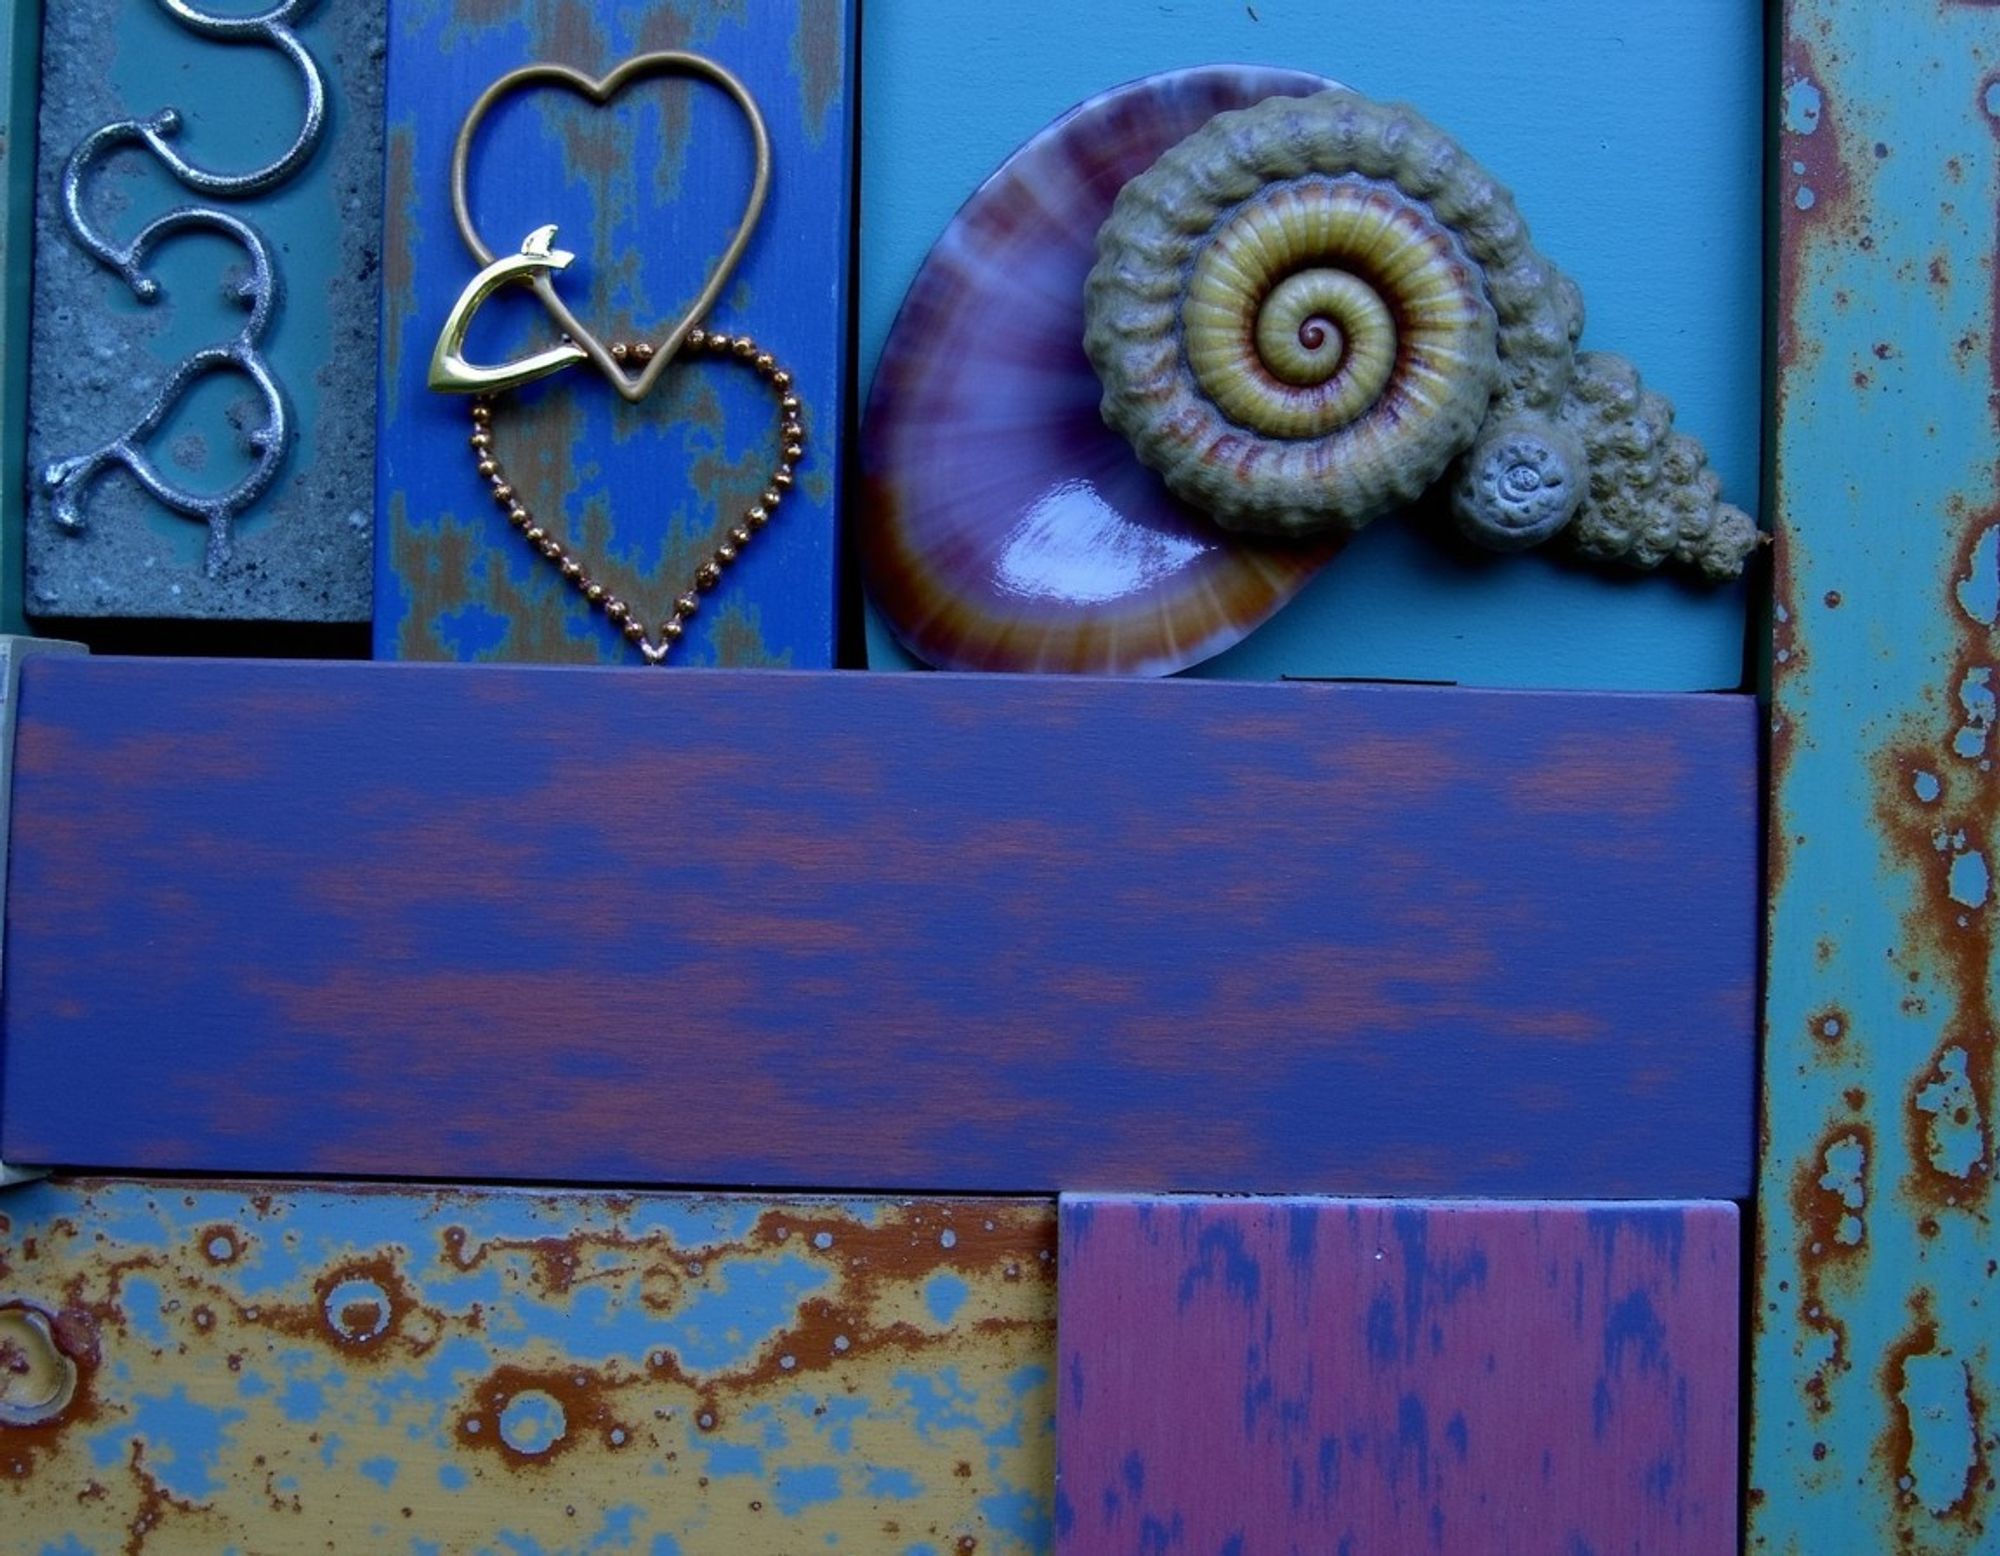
column 258, row 1368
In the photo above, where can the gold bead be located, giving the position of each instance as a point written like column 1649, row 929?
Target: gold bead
column 618, row 351
column 686, row 605
column 481, row 440
column 794, row 452
column 696, row 339
column 792, row 432
column 635, row 631
column 534, row 534
column 482, row 413
column 671, row 629
column 782, row 480
column 487, row 469
column 756, row 518
column 725, row 553
column 746, row 348
column 519, row 515
column 771, row 497
column 790, row 405
column 720, row 342
column 707, row 576
column 781, row 380
column 571, row 569
column 503, row 494
column 643, row 352
column 616, row 609
column 739, row 536
column 550, row 547
column 594, row 592
column 766, row 363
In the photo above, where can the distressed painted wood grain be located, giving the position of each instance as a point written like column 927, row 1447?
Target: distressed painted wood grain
column 646, row 193
column 1270, row 1377
column 271, row 1367
column 1876, row 1397
column 929, row 932
column 13, row 651
column 1657, row 238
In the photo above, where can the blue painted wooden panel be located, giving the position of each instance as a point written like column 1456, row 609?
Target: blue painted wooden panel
column 646, row 192
column 896, row 931
column 1270, row 1377
column 1876, row 1409
column 255, row 1366
column 1632, row 137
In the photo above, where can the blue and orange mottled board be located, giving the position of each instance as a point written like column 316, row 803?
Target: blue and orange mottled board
column 1272, row 1377
column 929, row 932
column 254, row 1366
column 646, row 192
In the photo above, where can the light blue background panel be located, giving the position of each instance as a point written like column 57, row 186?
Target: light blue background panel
column 1632, row 137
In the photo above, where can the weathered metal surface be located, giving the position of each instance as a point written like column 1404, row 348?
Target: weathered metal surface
column 969, row 933
column 12, row 651
column 258, row 1367
column 200, row 424
column 1876, row 1399
column 20, row 51
column 646, row 191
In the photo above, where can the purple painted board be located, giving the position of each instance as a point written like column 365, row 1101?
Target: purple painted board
column 928, row 932
column 1366, row 1378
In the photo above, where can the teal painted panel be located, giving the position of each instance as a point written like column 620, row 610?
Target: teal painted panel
column 214, row 1367
column 1632, row 137
column 646, row 192
column 103, row 355
column 20, row 39
column 1876, row 1401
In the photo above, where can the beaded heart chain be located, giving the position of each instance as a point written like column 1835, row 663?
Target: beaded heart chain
column 631, row 370
column 792, row 435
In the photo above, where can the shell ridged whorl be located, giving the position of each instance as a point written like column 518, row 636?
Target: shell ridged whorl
column 1311, row 311
column 1303, row 312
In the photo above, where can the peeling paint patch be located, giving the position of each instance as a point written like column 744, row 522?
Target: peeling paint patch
column 1970, row 879
column 1944, row 1444
column 1955, row 1141
column 1976, row 699
column 1803, row 103
column 1978, row 589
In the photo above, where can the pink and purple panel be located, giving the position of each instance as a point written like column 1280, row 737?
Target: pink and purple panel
column 1277, row 1377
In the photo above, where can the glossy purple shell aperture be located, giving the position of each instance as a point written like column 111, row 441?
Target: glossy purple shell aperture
column 1003, row 525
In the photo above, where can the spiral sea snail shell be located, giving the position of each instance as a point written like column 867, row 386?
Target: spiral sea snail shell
column 1313, row 311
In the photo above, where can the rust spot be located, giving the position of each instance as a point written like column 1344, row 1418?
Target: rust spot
column 155, row 1502
column 529, row 1417
column 1830, row 1197
column 221, row 1245
column 1829, row 1026
column 1816, row 185
column 362, row 1307
column 1833, row 599
column 1940, row 271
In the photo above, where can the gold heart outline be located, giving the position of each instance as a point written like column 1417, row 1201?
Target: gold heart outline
column 634, row 387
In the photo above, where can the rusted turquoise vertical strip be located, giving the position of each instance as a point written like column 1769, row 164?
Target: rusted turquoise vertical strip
column 1878, row 1330
column 20, row 39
